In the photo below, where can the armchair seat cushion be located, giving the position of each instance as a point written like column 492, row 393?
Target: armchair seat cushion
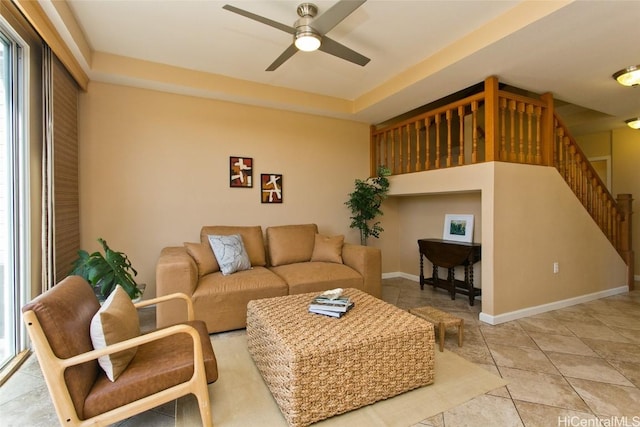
column 146, row 373
column 313, row 276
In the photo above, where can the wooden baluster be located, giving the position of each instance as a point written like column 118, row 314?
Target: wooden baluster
column 608, row 218
column 437, row 123
column 377, row 157
column 572, row 169
column 461, row 120
column 393, row 151
column 512, row 127
column 538, row 116
column 578, row 177
column 591, row 181
column 417, row 126
column 427, row 144
column 503, row 129
column 529, row 110
column 567, row 158
column 616, row 228
column 585, row 182
column 449, row 153
column 521, row 155
column 599, row 206
column 474, row 132
column 560, row 150
column 409, row 147
column 387, row 148
column 400, row 148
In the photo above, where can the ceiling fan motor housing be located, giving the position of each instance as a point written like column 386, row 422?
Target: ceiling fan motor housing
column 304, row 30
column 307, row 9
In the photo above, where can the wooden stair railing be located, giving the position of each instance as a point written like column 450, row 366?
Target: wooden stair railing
column 497, row 125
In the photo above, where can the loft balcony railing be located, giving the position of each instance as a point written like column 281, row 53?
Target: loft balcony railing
column 497, row 125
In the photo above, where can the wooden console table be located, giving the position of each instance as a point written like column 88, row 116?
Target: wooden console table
column 449, row 254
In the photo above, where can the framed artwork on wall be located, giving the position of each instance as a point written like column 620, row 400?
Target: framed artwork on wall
column 240, row 172
column 458, row 228
column 270, row 188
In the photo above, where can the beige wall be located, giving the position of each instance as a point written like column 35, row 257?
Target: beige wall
column 539, row 221
column 154, row 168
column 527, row 219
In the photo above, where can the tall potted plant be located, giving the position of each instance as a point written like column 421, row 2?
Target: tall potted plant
column 365, row 201
column 106, row 271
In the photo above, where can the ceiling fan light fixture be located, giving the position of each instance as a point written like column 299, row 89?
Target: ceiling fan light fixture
column 633, row 123
column 307, row 41
column 629, row 76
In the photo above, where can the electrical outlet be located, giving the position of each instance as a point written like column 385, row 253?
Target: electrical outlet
column 556, row 267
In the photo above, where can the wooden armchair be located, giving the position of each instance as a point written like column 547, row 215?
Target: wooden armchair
column 169, row 363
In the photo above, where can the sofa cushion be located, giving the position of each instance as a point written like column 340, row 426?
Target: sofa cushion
column 230, row 253
column 116, row 321
column 288, row 244
column 327, row 248
column 221, row 301
column 318, row 277
column 203, row 256
column 251, row 237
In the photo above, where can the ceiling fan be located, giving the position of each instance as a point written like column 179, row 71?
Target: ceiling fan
column 309, row 32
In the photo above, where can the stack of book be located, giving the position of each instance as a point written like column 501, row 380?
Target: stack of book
column 334, row 307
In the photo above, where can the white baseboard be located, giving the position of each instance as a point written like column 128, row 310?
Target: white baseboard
column 529, row 311
column 532, row 311
column 401, row 274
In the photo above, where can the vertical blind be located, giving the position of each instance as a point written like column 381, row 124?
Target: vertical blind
column 61, row 213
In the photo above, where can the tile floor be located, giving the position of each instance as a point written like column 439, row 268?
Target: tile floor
column 578, row 366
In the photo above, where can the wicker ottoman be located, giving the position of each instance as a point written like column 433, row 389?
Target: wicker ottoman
column 317, row 366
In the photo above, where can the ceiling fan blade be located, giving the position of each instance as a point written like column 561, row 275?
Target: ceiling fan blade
column 262, row 19
column 332, row 17
column 288, row 53
column 332, row 47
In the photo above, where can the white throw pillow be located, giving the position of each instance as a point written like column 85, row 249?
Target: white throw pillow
column 117, row 320
column 230, row 253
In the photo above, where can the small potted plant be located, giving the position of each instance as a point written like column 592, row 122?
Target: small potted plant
column 365, row 202
column 104, row 272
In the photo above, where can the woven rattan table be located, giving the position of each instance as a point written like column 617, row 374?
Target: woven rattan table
column 318, row 366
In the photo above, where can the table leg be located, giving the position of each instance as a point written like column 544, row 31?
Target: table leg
column 460, row 332
column 469, row 279
column 421, row 273
column 451, row 278
column 434, row 278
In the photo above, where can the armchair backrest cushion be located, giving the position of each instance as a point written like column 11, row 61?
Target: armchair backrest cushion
column 288, row 244
column 251, row 238
column 64, row 313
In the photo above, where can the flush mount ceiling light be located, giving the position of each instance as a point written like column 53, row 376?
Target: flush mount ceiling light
column 630, row 76
column 633, row 123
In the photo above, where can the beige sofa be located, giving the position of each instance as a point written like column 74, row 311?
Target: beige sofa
column 294, row 260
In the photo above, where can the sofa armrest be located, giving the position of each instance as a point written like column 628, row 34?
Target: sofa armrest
column 170, row 297
column 368, row 262
column 176, row 271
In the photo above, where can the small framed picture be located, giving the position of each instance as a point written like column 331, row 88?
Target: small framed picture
column 270, row 188
column 240, row 172
column 458, row 228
